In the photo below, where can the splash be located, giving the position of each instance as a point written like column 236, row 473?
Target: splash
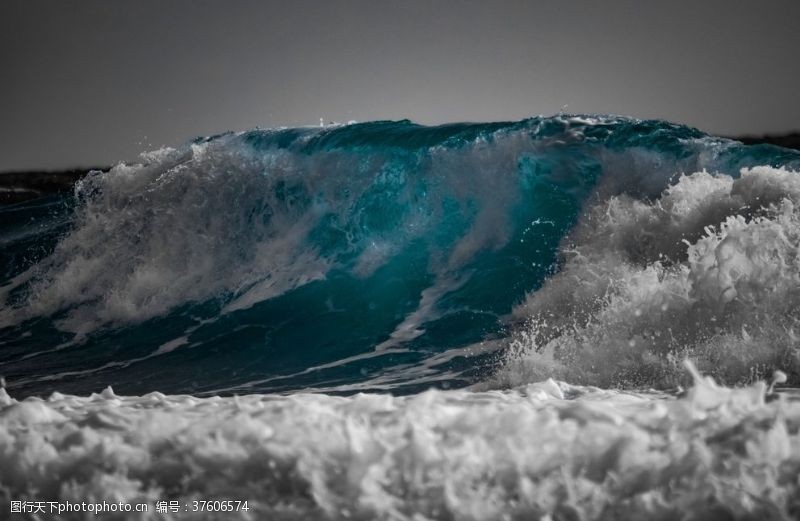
column 708, row 270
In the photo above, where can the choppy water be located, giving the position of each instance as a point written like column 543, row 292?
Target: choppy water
column 477, row 259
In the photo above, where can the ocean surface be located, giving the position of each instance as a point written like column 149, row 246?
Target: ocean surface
column 570, row 317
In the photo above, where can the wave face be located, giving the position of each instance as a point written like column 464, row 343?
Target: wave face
column 392, row 256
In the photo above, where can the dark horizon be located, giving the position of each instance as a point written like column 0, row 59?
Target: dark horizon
column 97, row 83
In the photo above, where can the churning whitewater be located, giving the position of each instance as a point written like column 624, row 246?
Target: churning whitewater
column 523, row 296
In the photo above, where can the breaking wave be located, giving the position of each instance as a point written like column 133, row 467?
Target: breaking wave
column 519, row 289
column 392, row 256
column 709, row 270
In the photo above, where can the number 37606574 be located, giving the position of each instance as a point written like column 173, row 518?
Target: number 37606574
column 219, row 506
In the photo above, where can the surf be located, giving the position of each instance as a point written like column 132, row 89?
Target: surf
column 393, row 256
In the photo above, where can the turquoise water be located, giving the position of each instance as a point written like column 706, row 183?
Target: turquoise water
column 397, row 257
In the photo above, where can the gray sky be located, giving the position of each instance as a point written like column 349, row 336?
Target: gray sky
column 98, row 81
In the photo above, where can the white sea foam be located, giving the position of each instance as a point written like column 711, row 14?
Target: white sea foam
column 709, row 270
column 184, row 225
column 543, row 451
